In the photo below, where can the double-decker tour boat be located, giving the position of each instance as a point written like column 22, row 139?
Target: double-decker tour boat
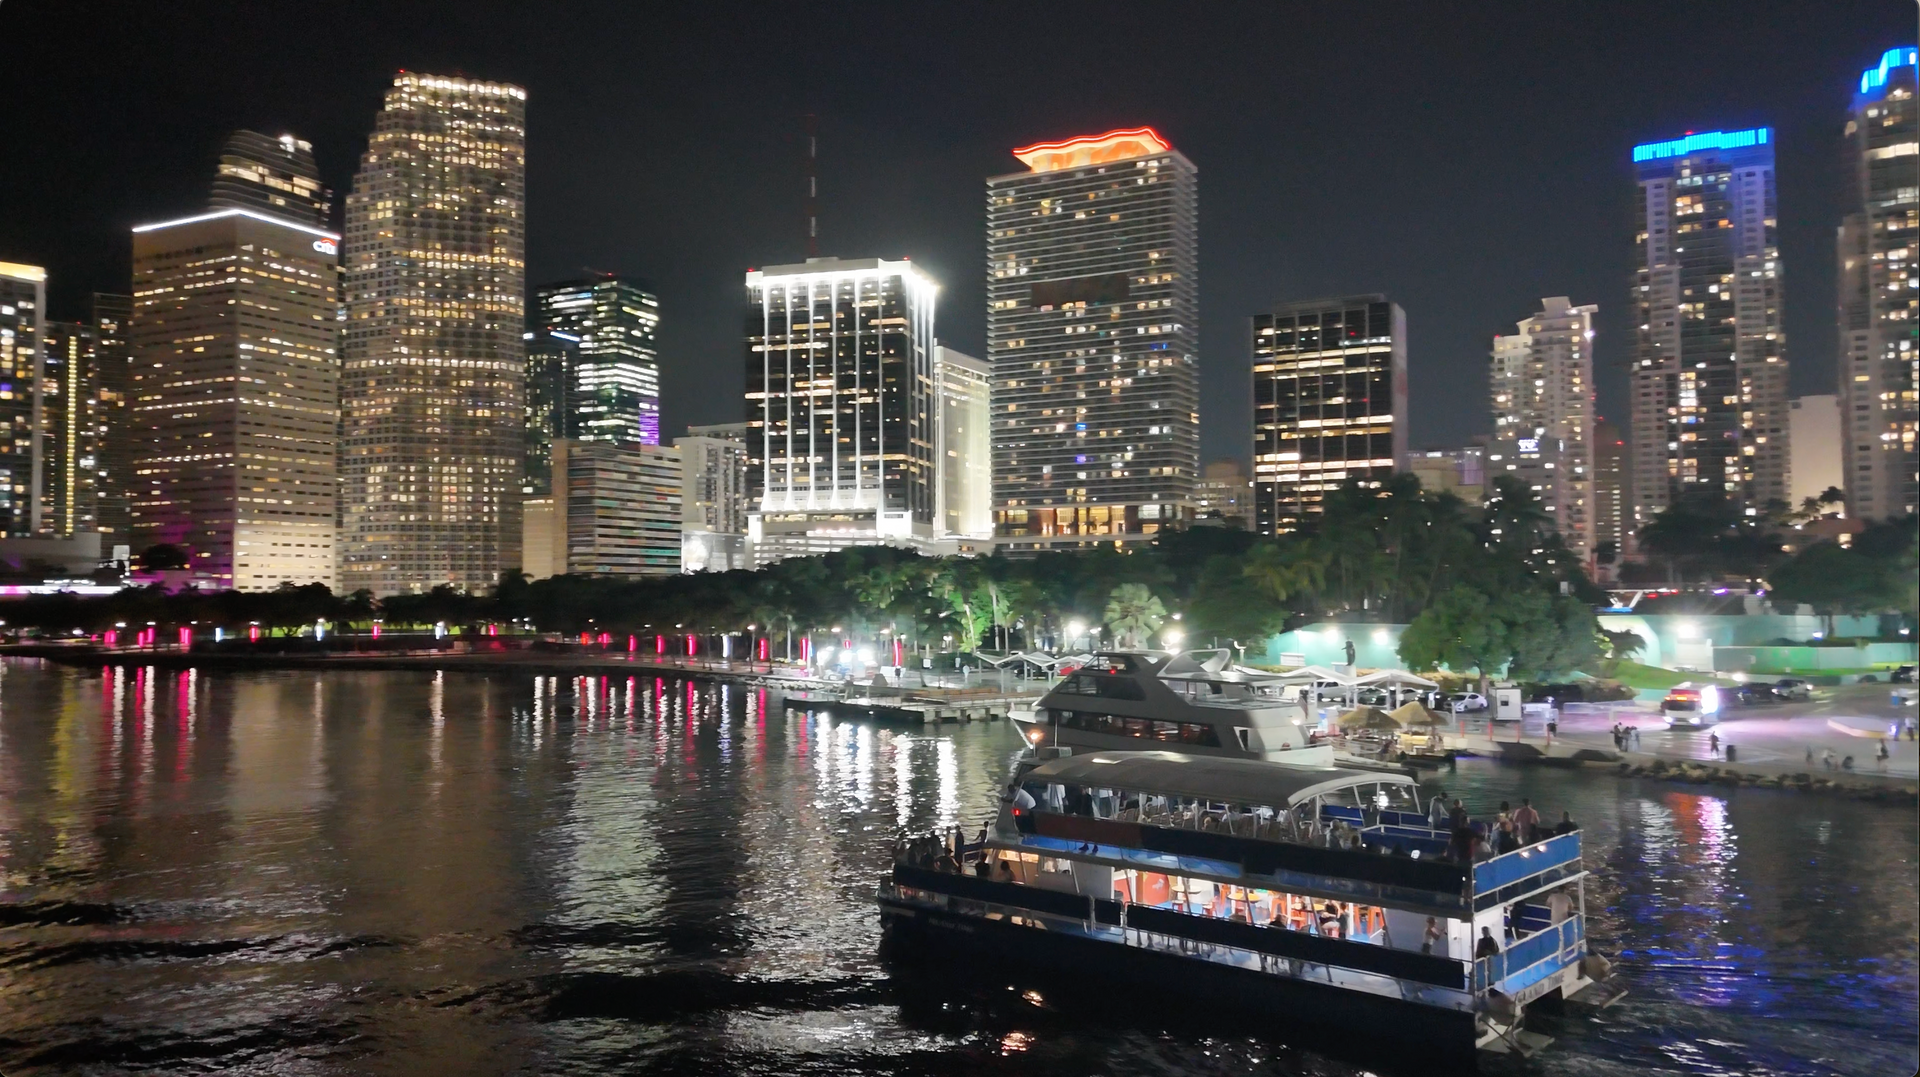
column 1317, row 897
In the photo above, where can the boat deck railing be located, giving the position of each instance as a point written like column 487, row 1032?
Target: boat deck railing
column 1532, row 958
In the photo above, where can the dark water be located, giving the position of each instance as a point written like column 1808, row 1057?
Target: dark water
column 415, row 873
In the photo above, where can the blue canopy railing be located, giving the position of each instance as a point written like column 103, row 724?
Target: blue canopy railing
column 1532, row 959
column 1530, row 860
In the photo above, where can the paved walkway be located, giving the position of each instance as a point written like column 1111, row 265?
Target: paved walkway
column 1767, row 739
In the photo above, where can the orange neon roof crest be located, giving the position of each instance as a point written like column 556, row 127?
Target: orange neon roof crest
column 1092, row 149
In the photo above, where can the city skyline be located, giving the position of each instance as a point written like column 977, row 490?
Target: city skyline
column 1259, row 249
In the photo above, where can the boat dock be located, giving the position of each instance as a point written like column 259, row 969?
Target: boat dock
column 906, row 710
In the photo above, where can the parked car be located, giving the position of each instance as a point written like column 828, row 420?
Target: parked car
column 1792, row 688
column 1751, row 695
column 1463, row 702
column 1691, row 706
column 1558, row 693
column 1903, row 675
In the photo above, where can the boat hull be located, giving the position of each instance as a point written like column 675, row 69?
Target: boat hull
column 1353, row 1024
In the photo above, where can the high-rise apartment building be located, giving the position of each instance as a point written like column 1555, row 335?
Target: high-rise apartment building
column 433, row 388
column 1329, row 403
column 1818, row 449
column 713, row 498
column 274, row 176
column 1461, row 472
column 1224, row 495
column 1880, row 293
column 840, row 406
column 1612, row 490
column 72, row 428
column 113, row 347
column 235, row 396
column 963, row 445
column 1709, row 382
column 23, row 333
column 618, row 507
column 1093, row 331
column 614, row 389
column 1542, row 389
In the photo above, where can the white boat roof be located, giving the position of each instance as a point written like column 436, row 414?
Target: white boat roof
column 1240, row 781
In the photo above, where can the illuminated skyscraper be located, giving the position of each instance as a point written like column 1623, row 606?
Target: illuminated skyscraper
column 963, row 452
column 235, row 396
column 1611, row 492
column 275, row 176
column 617, row 508
column 433, row 386
column 23, row 332
column 1542, row 388
column 614, row 394
column 1329, row 403
column 1709, row 384
column 1093, row 329
column 1879, row 299
column 840, row 406
column 112, row 326
column 551, row 358
column 72, row 414
column 713, row 498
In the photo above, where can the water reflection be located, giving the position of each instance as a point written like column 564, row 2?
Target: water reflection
column 352, row 873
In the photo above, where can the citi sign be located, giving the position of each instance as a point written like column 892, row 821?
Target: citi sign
column 326, row 246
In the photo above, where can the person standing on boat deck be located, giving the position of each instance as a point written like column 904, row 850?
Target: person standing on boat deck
column 1458, row 814
column 1488, row 946
column 1508, row 839
column 1330, row 921
column 1349, row 656
column 1437, row 810
column 1559, row 906
column 1567, row 825
column 1435, row 934
column 1525, row 820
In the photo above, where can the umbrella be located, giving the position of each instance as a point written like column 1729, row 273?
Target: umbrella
column 1367, row 718
column 1412, row 713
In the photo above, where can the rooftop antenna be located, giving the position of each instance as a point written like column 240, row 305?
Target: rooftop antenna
column 813, row 189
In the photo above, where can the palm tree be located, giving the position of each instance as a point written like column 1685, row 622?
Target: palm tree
column 1133, row 613
column 1286, row 573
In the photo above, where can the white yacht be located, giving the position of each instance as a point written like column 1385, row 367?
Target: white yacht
column 1195, row 702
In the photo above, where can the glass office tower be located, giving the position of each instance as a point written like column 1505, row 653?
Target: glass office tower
column 1329, row 403
column 840, row 406
column 614, row 394
column 1093, row 330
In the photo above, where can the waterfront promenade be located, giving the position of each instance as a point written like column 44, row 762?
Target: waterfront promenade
column 1767, row 740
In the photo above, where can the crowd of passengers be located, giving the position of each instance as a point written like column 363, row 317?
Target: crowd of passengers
column 1469, row 840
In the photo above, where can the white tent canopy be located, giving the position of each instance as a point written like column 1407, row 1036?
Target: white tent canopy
column 1395, row 678
column 1307, row 674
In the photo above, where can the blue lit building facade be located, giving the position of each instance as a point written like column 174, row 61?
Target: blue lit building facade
column 1879, row 302
column 1709, row 379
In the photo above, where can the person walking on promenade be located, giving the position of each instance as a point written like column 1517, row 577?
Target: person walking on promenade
column 1713, row 745
column 1880, row 756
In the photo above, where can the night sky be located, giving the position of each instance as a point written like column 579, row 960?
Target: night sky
column 1465, row 159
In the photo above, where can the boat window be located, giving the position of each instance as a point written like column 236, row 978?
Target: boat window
column 1196, row 733
column 1241, row 732
column 1087, row 684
